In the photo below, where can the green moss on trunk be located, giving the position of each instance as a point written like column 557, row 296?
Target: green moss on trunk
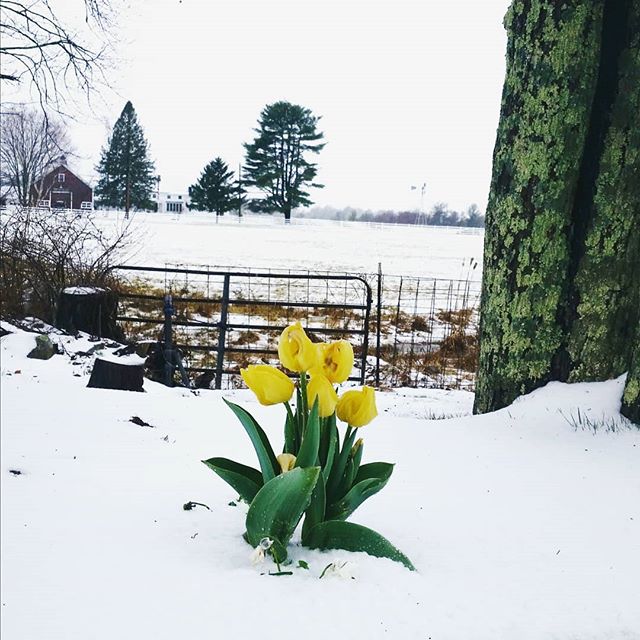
column 631, row 396
column 607, row 284
column 552, row 63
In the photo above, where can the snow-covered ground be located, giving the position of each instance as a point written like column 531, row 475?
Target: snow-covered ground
column 266, row 242
column 521, row 527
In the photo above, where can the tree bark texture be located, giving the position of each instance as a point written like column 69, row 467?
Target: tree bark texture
column 631, row 396
column 561, row 282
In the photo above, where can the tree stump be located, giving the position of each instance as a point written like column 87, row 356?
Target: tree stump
column 89, row 309
column 125, row 376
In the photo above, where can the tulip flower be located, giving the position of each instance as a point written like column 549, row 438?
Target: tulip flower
column 357, row 407
column 295, row 350
column 270, row 385
column 287, row 461
column 320, row 387
column 335, row 360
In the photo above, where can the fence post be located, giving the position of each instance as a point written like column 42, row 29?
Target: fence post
column 378, row 323
column 365, row 341
column 222, row 332
column 168, row 340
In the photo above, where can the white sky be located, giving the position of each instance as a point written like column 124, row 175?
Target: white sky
column 408, row 90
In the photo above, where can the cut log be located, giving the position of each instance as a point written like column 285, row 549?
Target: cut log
column 125, row 376
column 89, row 309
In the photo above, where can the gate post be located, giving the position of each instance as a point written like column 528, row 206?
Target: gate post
column 378, row 321
column 168, row 340
column 222, row 333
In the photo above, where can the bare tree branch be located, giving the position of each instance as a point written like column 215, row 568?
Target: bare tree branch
column 39, row 48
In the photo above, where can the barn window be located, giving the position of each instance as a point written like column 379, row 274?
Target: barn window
column 61, row 177
column 86, row 205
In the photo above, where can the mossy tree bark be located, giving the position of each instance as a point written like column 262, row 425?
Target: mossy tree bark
column 561, row 284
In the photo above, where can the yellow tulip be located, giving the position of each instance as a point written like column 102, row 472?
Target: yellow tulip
column 320, row 387
column 270, row 385
column 295, row 350
column 287, row 461
column 357, row 408
column 335, row 360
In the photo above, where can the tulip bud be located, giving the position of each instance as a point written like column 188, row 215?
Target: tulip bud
column 357, row 407
column 287, row 461
column 270, row 385
column 295, row 350
column 335, row 360
column 319, row 387
column 358, row 445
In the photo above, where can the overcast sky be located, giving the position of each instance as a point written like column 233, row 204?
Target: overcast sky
column 408, row 90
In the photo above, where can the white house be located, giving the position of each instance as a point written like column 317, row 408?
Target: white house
column 170, row 202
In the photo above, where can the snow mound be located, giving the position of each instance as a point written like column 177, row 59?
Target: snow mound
column 521, row 525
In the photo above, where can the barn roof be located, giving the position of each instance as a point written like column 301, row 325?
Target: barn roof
column 64, row 166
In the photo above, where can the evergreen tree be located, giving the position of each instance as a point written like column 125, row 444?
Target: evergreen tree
column 126, row 172
column 474, row 216
column 215, row 190
column 275, row 161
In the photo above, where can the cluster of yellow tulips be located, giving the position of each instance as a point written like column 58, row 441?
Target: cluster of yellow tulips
column 319, row 474
column 327, row 364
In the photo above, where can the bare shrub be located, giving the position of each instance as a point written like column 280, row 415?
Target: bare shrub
column 45, row 251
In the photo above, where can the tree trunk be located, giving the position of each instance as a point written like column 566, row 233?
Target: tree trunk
column 631, row 397
column 560, row 286
column 107, row 374
column 89, row 309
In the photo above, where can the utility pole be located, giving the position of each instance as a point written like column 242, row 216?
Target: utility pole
column 239, row 191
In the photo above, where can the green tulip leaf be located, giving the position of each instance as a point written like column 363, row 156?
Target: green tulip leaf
column 290, row 434
column 329, row 442
column 337, row 534
column 267, row 459
column 316, row 510
column 308, row 454
column 370, row 479
column 379, row 470
column 339, row 466
column 357, row 459
column 245, row 480
column 278, row 507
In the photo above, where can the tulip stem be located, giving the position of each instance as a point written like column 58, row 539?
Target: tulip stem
column 303, row 396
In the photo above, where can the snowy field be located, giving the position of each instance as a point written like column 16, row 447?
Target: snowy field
column 521, row 526
column 266, row 242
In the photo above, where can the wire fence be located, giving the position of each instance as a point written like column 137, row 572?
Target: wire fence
column 406, row 331
column 426, row 332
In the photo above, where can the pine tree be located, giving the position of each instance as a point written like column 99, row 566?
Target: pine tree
column 275, row 161
column 125, row 169
column 215, row 190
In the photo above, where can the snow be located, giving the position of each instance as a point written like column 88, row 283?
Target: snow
column 265, row 242
column 82, row 291
column 521, row 526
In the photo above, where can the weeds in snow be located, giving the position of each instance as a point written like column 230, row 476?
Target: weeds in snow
column 581, row 421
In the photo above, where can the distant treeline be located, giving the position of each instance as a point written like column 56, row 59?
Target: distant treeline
column 440, row 215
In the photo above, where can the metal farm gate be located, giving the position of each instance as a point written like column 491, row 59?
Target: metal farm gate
column 224, row 320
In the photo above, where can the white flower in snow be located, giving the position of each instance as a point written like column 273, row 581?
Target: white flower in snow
column 340, row 569
column 257, row 555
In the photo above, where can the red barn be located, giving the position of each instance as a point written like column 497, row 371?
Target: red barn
column 62, row 189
